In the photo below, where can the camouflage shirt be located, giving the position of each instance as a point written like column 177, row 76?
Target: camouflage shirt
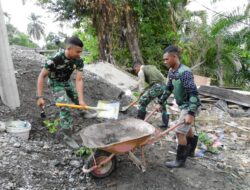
column 60, row 68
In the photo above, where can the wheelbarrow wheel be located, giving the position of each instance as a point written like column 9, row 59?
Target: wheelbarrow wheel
column 106, row 169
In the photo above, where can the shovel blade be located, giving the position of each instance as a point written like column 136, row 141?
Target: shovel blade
column 108, row 110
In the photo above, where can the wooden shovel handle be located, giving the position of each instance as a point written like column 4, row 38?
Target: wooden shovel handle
column 132, row 103
column 149, row 115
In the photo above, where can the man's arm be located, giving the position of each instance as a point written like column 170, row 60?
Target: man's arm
column 187, row 80
column 141, row 81
column 40, row 84
column 167, row 92
column 79, row 87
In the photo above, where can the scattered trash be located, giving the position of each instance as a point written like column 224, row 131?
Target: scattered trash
column 210, row 142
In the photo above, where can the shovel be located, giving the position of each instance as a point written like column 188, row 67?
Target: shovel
column 104, row 109
column 125, row 108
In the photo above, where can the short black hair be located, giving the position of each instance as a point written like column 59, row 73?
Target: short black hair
column 172, row 49
column 74, row 41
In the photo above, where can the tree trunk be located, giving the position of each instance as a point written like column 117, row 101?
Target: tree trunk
column 8, row 88
column 102, row 21
column 220, row 71
column 130, row 33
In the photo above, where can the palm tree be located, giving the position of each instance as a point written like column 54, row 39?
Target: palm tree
column 220, row 49
column 35, row 27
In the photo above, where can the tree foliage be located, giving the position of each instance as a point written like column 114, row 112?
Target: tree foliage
column 18, row 38
column 132, row 30
column 90, row 43
column 220, row 48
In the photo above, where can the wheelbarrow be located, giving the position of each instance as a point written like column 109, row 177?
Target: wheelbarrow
column 111, row 139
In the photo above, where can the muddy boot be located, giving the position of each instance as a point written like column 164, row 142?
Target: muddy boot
column 141, row 115
column 165, row 119
column 68, row 139
column 61, row 133
column 67, row 132
column 192, row 143
column 58, row 137
column 182, row 153
column 70, row 142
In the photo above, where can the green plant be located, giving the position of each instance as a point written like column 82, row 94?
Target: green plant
column 52, row 126
column 84, row 151
column 203, row 137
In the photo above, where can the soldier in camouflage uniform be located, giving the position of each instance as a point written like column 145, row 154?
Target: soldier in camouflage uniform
column 152, row 76
column 59, row 69
column 181, row 84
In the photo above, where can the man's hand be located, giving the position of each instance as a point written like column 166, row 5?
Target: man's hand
column 40, row 102
column 82, row 103
column 189, row 119
column 158, row 107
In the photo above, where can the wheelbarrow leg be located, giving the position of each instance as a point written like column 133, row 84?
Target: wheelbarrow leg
column 136, row 161
column 143, row 157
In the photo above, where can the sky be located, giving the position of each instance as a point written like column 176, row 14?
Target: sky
column 221, row 6
column 19, row 13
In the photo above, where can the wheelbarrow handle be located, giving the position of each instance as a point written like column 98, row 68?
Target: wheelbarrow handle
column 159, row 135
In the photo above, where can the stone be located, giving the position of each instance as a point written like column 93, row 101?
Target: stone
column 75, row 163
column 46, row 146
column 17, row 145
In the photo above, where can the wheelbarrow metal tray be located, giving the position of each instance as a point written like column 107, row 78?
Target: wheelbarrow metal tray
column 117, row 137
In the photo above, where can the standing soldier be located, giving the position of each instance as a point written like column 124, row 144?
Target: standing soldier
column 58, row 69
column 181, row 83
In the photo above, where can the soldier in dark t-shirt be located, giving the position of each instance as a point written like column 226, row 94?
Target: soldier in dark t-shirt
column 58, row 69
column 181, row 84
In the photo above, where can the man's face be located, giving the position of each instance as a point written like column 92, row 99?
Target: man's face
column 137, row 68
column 169, row 60
column 74, row 52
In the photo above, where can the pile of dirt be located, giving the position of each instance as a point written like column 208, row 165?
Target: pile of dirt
column 41, row 164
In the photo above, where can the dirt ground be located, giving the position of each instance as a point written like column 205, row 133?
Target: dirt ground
column 40, row 163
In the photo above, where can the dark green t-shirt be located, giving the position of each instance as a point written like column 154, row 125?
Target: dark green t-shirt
column 60, row 68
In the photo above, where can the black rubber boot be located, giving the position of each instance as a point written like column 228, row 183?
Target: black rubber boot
column 192, row 143
column 61, row 133
column 141, row 115
column 182, row 153
column 165, row 119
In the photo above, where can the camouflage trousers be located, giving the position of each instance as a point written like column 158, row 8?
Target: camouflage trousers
column 153, row 92
column 63, row 92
